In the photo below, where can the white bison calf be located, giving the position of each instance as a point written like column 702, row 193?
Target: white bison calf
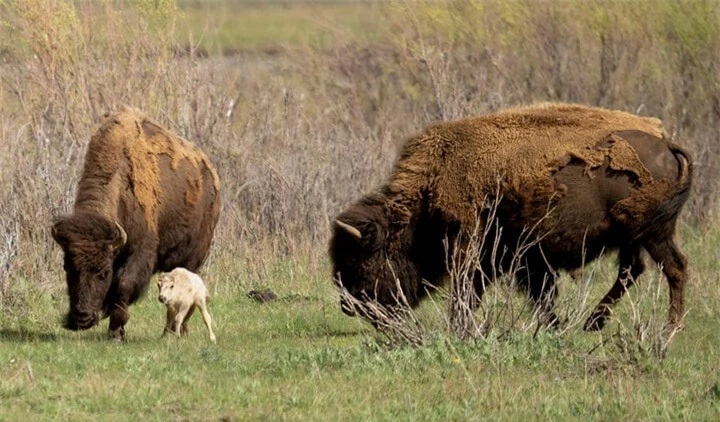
column 181, row 291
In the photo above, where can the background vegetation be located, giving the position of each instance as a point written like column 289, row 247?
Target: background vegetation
column 302, row 106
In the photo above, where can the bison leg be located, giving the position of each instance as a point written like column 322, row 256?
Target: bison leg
column 480, row 282
column 119, row 316
column 541, row 289
column 631, row 266
column 486, row 272
column 132, row 276
column 484, row 275
column 674, row 266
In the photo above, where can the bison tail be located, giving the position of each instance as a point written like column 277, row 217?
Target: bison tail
column 685, row 167
column 669, row 209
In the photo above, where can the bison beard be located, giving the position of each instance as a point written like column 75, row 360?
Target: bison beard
column 147, row 201
column 586, row 180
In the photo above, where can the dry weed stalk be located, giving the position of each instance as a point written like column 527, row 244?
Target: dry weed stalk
column 644, row 340
column 8, row 252
column 397, row 324
column 463, row 263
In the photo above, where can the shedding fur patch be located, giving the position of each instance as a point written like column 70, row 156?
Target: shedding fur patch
column 643, row 203
column 622, row 157
column 128, row 135
column 460, row 163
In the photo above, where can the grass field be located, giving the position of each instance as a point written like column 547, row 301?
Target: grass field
column 302, row 107
column 301, row 359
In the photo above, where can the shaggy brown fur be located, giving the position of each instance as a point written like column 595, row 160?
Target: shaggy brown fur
column 587, row 180
column 147, row 201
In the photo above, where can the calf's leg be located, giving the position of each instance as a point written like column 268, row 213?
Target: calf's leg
column 180, row 318
column 202, row 304
column 184, row 327
column 170, row 320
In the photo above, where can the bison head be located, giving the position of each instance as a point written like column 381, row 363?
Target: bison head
column 90, row 243
column 371, row 255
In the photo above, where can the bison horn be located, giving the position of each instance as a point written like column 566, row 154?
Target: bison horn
column 350, row 229
column 61, row 240
column 122, row 237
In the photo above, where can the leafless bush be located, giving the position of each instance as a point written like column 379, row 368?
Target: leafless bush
column 479, row 259
column 397, row 324
column 8, row 252
column 642, row 339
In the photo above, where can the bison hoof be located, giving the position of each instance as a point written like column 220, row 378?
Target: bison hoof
column 596, row 322
column 673, row 327
column 117, row 335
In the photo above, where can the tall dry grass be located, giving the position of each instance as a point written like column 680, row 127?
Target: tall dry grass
column 298, row 135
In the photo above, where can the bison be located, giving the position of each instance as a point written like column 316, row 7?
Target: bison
column 147, row 201
column 567, row 180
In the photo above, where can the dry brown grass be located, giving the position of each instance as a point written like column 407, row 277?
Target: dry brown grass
column 298, row 135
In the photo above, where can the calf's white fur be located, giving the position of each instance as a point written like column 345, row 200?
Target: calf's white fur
column 182, row 291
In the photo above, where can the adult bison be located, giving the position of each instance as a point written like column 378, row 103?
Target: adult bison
column 147, row 201
column 578, row 180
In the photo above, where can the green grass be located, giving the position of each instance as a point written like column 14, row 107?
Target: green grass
column 301, row 359
column 233, row 26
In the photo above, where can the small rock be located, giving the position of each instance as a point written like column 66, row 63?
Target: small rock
column 262, row 296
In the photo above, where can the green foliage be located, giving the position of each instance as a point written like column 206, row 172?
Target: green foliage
column 161, row 12
column 50, row 29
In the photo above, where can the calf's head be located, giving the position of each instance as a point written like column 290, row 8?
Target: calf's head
column 90, row 243
column 370, row 255
column 169, row 289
